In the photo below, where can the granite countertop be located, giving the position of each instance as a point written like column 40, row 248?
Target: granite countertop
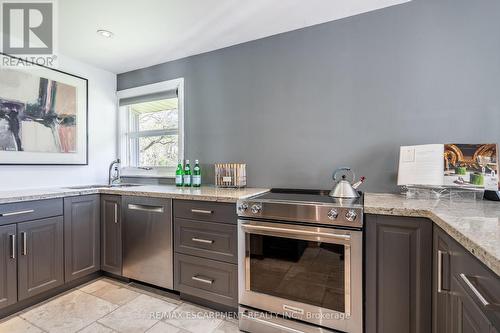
column 204, row 193
column 473, row 224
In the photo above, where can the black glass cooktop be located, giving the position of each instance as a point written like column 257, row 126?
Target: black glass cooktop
column 301, row 195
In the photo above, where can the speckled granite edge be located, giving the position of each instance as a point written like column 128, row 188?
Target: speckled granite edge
column 203, row 193
column 431, row 209
column 43, row 195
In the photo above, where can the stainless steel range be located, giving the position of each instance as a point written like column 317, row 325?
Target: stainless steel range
column 300, row 262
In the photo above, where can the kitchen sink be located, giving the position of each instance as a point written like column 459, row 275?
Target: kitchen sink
column 83, row 187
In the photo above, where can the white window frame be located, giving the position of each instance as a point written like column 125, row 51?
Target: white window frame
column 124, row 146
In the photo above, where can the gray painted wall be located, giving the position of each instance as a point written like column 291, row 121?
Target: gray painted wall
column 296, row 105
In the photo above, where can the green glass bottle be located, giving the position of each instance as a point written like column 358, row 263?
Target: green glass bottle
column 187, row 174
column 196, row 174
column 179, row 174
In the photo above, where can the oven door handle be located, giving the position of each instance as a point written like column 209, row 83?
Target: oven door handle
column 291, row 231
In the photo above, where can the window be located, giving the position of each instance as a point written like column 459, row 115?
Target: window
column 151, row 129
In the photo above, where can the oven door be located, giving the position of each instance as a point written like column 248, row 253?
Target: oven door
column 307, row 273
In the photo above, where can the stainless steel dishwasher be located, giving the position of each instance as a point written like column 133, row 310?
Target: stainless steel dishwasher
column 147, row 240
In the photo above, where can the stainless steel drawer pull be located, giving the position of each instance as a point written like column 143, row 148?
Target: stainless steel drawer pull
column 440, row 271
column 13, row 246
column 116, row 213
column 145, row 208
column 202, row 280
column 476, row 292
column 25, row 244
column 201, row 211
column 17, row 213
column 201, row 240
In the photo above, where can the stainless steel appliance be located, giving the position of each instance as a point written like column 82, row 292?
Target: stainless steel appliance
column 300, row 262
column 147, row 240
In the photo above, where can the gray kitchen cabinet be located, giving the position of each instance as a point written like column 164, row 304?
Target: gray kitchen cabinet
column 205, row 259
column 8, row 265
column 40, row 256
column 209, row 279
column 206, row 211
column 15, row 212
column 208, row 239
column 81, row 236
column 398, row 261
column 111, row 234
column 466, row 294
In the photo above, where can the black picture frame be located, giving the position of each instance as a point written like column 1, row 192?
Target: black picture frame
column 85, row 80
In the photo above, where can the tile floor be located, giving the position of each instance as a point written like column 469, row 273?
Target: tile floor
column 108, row 306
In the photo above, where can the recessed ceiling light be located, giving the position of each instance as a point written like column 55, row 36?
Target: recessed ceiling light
column 105, row 33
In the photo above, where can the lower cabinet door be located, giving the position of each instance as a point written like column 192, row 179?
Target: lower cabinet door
column 40, row 256
column 441, row 294
column 398, row 274
column 111, row 234
column 81, row 236
column 8, row 265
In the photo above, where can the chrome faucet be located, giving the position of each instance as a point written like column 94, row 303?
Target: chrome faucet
column 114, row 172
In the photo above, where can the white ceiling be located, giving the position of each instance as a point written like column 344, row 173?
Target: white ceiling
column 149, row 32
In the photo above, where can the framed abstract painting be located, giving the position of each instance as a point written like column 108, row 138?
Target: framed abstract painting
column 43, row 116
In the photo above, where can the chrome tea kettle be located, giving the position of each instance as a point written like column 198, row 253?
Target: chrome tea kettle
column 344, row 188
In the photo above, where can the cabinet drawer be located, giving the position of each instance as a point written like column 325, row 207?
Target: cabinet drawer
column 480, row 283
column 204, row 278
column 205, row 211
column 30, row 210
column 206, row 239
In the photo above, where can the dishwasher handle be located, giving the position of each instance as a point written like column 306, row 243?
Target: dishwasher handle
column 146, row 208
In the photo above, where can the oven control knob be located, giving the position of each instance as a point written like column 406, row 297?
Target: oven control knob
column 256, row 208
column 243, row 207
column 351, row 215
column 333, row 214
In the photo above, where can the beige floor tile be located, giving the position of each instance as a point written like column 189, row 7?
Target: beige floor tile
column 69, row 313
column 194, row 319
column 137, row 315
column 18, row 325
column 97, row 285
column 153, row 292
column 227, row 327
column 161, row 327
column 96, row 328
column 116, row 295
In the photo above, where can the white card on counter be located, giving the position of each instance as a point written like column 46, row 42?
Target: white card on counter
column 421, row 165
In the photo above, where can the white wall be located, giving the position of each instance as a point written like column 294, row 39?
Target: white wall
column 102, row 137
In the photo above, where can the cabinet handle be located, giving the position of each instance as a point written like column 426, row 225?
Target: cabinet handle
column 201, row 240
column 25, row 242
column 202, row 280
column 17, row 213
column 145, row 208
column 440, row 271
column 476, row 292
column 201, row 211
column 13, row 246
column 116, row 213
